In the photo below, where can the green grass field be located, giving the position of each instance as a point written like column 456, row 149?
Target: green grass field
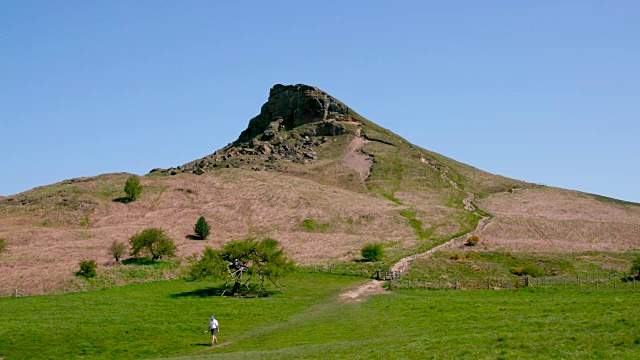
column 308, row 320
column 480, row 264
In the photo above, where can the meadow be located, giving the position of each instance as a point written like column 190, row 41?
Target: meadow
column 306, row 318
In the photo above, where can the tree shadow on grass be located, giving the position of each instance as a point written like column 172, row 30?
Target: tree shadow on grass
column 204, row 292
column 193, row 237
column 220, row 291
column 364, row 261
column 123, row 200
column 139, row 261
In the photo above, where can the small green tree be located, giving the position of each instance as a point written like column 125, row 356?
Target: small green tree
column 117, row 249
column 153, row 242
column 372, row 252
column 242, row 261
column 87, row 269
column 635, row 267
column 132, row 188
column 202, row 229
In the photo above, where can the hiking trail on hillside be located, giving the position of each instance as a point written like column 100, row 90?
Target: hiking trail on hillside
column 356, row 160
column 405, row 263
column 376, row 286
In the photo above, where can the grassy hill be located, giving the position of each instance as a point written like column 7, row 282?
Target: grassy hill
column 323, row 186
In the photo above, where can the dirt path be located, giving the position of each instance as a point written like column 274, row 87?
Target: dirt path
column 362, row 292
column 405, row 263
column 357, row 160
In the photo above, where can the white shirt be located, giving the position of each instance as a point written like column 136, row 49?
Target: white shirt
column 213, row 324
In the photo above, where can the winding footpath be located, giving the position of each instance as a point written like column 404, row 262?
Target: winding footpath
column 376, row 286
column 405, row 263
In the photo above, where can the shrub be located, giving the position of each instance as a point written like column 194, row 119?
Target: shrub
column 472, row 240
column 456, row 257
column 153, row 242
column 202, row 229
column 635, row 267
column 117, row 249
column 472, row 256
column 533, row 270
column 133, row 188
column 372, row 252
column 87, row 269
column 3, row 245
column 530, row 270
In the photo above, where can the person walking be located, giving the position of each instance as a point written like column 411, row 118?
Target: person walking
column 214, row 327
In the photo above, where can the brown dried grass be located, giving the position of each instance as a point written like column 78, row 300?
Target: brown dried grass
column 236, row 203
column 550, row 219
column 45, row 240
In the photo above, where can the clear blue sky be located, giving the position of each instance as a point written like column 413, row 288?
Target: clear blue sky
column 542, row 91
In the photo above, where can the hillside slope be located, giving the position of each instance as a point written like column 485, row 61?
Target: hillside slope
column 312, row 173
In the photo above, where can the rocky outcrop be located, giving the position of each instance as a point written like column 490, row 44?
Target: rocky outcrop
column 292, row 123
column 290, row 106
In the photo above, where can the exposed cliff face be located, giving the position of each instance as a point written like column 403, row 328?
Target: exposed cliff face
column 290, row 106
column 292, row 124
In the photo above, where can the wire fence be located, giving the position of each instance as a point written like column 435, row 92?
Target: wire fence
column 91, row 285
column 396, row 280
column 367, row 270
column 579, row 282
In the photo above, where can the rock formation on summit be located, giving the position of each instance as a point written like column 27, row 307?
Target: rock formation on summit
column 292, row 123
column 290, row 106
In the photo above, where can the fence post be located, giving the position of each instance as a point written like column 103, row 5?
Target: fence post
column 455, row 285
column 565, row 283
column 596, row 285
column 378, row 274
column 488, row 283
column 614, row 286
column 345, row 270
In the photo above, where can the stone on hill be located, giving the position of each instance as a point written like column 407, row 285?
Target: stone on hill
column 310, row 114
column 290, row 106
